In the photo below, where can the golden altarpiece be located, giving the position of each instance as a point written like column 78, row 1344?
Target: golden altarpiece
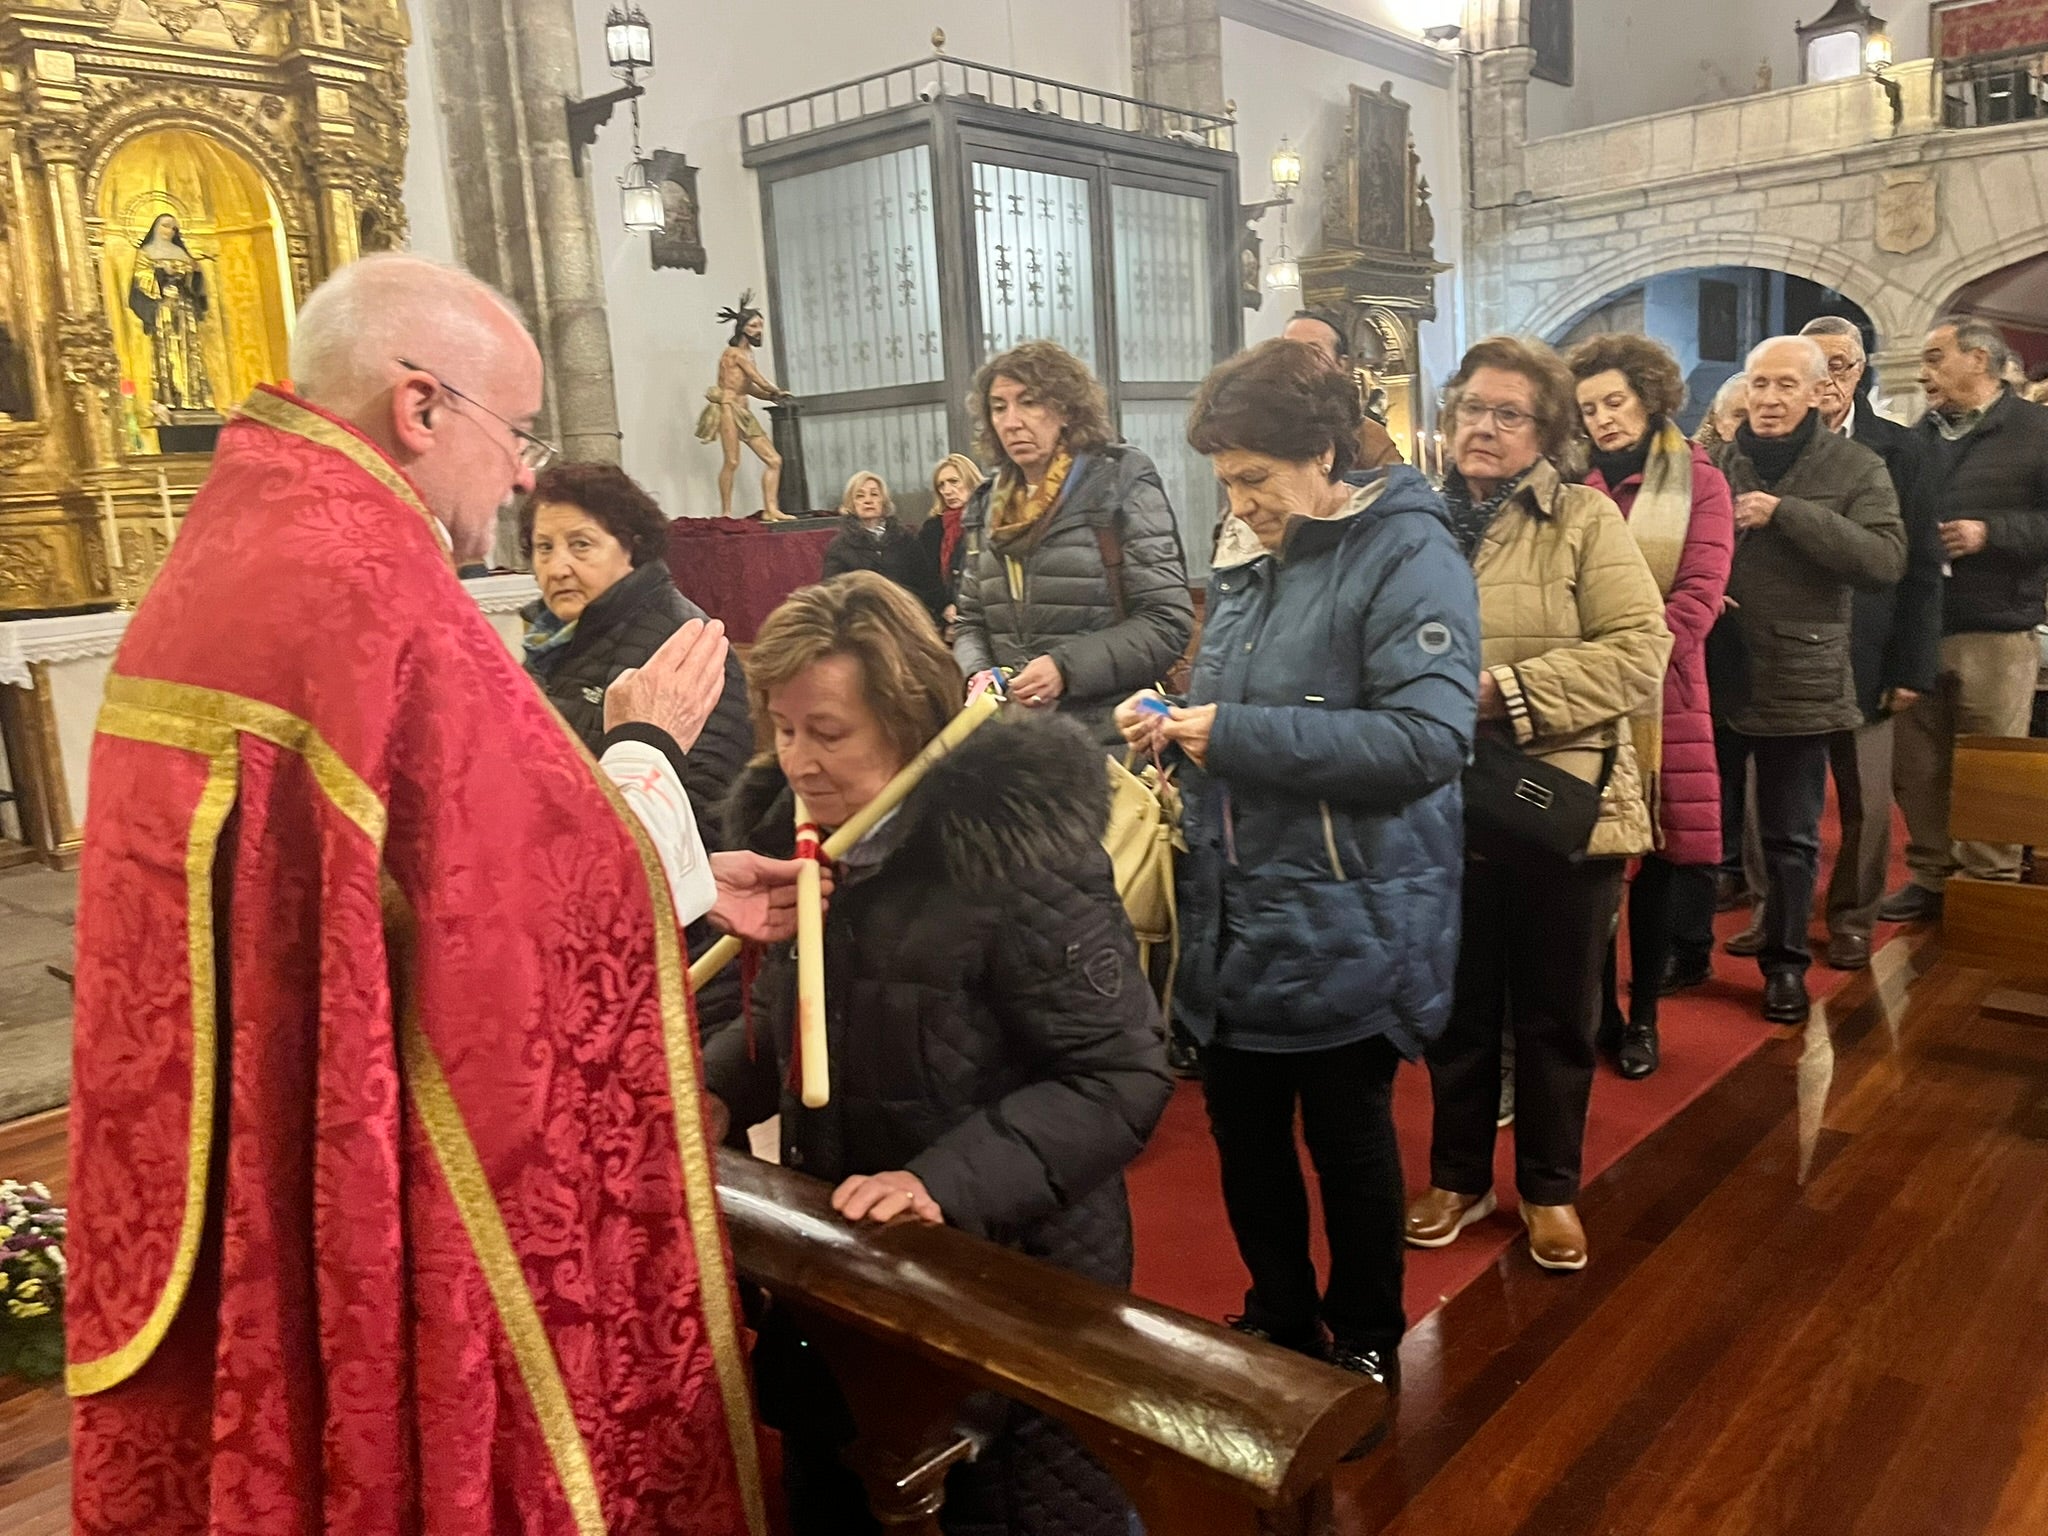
column 1376, row 263
column 175, row 177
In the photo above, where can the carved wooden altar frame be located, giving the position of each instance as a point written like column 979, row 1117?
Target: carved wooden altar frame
column 311, row 93
column 1376, row 264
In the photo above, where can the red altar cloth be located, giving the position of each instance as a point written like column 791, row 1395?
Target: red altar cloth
column 738, row 570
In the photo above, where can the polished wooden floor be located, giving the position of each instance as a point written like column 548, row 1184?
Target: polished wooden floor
column 1818, row 1306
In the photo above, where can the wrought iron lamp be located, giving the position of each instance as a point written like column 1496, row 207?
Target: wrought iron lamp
column 628, row 49
column 1283, row 271
column 1837, row 45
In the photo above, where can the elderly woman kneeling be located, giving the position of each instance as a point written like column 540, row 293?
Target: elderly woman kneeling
column 1328, row 718
column 996, row 1055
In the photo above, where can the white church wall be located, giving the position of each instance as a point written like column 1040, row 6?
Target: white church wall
column 712, row 64
column 1637, row 57
column 1286, row 88
column 426, row 158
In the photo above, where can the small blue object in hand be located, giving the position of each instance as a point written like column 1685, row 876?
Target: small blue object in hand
column 1153, row 705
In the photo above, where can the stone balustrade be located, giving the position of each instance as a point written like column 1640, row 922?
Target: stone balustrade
column 1747, row 133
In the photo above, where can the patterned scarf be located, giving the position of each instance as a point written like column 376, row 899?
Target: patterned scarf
column 1658, row 522
column 1470, row 519
column 1018, row 509
column 547, row 641
column 1955, row 428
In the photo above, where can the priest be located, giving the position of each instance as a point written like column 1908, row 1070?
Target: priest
column 392, row 1201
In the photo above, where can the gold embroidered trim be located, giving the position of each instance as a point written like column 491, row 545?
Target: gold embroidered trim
column 700, row 1191
column 175, row 714
column 274, row 410
column 470, row 1188
column 216, row 800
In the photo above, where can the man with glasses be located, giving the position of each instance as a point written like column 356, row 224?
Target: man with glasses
column 386, row 1115
column 1816, row 520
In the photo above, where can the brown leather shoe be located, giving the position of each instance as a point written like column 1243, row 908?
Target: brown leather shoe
column 1556, row 1240
column 1437, row 1216
column 1751, row 940
column 1848, row 952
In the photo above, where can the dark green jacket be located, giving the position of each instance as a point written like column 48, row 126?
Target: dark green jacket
column 1792, row 586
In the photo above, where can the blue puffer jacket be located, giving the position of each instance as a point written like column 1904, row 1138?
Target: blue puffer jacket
column 1319, row 895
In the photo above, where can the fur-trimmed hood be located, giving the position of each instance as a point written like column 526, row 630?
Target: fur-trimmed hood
column 1022, row 792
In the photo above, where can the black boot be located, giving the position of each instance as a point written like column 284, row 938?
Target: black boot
column 1637, row 1057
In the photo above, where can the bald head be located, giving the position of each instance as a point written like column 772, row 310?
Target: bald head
column 452, row 414
column 372, row 312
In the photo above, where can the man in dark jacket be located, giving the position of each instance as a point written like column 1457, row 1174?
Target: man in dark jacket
column 1099, row 585
column 1816, row 518
column 1990, row 454
column 1894, row 649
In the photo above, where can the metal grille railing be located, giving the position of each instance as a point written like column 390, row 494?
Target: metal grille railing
column 1992, row 88
column 939, row 76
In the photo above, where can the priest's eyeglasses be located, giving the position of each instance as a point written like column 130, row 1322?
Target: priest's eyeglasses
column 535, row 453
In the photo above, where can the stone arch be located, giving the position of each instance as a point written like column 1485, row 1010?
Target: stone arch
column 1982, row 261
column 146, row 111
column 1888, row 305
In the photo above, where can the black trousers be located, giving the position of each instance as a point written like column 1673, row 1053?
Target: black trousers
column 1346, row 1097
column 1535, row 936
column 1791, row 793
column 1658, row 897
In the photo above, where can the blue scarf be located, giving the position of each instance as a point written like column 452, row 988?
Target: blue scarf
column 547, row 641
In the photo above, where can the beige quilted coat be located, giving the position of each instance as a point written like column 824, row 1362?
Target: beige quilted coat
column 1571, row 626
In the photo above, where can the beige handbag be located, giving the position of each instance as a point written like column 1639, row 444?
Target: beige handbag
column 1142, row 837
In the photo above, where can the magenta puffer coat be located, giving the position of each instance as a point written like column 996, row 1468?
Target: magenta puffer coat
column 1689, row 785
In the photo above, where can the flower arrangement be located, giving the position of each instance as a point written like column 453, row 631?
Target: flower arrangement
column 31, row 1282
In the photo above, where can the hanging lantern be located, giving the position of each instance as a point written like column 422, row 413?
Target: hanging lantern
column 640, row 200
column 1286, row 167
column 1283, row 271
column 628, row 39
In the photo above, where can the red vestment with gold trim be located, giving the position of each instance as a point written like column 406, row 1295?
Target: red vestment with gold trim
column 391, row 1199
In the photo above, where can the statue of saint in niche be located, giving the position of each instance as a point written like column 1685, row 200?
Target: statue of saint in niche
column 167, row 293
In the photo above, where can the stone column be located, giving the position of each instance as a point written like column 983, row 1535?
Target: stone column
column 1494, row 101
column 523, row 220
column 1898, row 381
column 1177, row 53
column 577, row 341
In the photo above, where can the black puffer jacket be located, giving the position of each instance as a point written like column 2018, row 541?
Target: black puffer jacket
column 896, row 555
column 1998, row 476
column 624, row 627
column 991, row 1032
column 1066, row 607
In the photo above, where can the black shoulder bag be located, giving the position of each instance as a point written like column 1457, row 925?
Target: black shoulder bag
column 1511, row 794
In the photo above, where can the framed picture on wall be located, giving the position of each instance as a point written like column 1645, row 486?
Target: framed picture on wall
column 1550, row 34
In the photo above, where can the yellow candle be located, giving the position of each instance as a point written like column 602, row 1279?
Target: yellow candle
column 862, row 822
column 810, row 967
column 111, row 529
column 163, row 496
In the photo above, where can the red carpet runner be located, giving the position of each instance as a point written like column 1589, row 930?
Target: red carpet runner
column 1187, row 1259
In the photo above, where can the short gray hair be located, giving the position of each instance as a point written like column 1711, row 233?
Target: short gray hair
column 1724, row 397
column 1816, row 360
column 356, row 325
column 1835, row 325
column 1977, row 335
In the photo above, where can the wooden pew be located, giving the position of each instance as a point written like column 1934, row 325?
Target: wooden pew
column 1210, row 1432
column 1999, row 795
